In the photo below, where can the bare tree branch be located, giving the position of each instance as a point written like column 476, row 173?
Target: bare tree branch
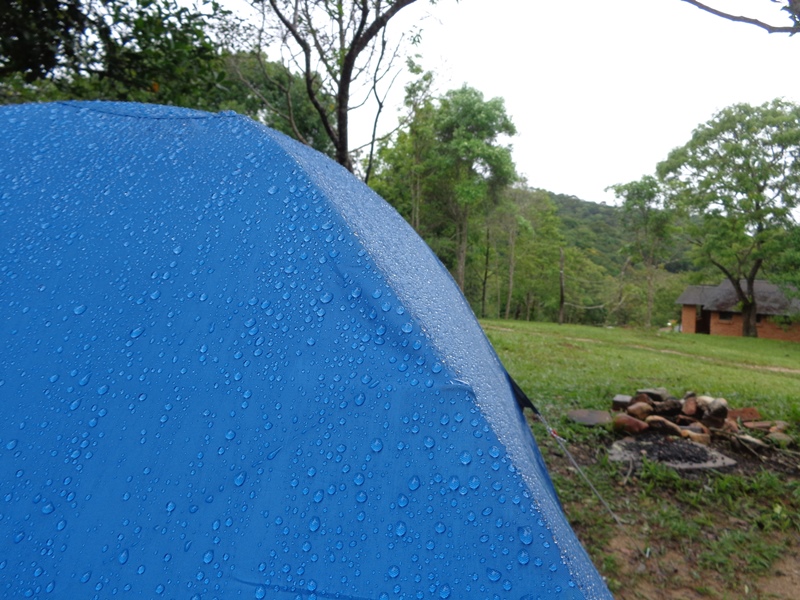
column 790, row 29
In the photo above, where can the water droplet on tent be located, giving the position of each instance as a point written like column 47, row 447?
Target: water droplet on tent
column 400, row 529
column 170, row 507
column 135, row 333
column 123, row 557
column 523, row 557
column 444, row 591
column 465, row 458
column 376, row 445
column 177, row 249
column 326, row 298
column 525, row 535
column 240, row 479
column 48, row 508
column 208, row 556
column 493, row 574
column 413, row 483
column 311, row 341
column 314, row 524
column 261, row 591
column 394, row 571
column 80, row 309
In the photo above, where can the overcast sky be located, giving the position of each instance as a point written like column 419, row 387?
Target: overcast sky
column 602, row 91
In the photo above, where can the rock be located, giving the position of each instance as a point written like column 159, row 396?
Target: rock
column 759, row 425
column 697, row 437
column 697, row 427
column 664, row 425
column 628, row 424
column 780, row 439
column 669, row 407
column 716, row 412
column 656, row 394
column 590, row 418
column 703, row 402
column 747, row 413
column 640, row 410
column 621, row 402
column 642, row 398
column 690, row 406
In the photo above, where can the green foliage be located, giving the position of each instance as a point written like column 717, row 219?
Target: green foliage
column 450, row 152
column 38, row 36
column 737, row 182
column 138, row 50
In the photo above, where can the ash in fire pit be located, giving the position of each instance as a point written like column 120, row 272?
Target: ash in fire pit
column 678, row 453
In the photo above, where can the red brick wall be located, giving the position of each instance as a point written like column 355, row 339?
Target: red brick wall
column 767, row 329
column 731, row 328
column 688, row 318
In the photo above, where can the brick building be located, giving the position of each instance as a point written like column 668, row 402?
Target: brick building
column 713, row 309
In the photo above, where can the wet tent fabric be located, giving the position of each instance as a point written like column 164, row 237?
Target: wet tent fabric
column 229, row 370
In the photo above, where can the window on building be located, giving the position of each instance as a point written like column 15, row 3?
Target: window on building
column 725, row 315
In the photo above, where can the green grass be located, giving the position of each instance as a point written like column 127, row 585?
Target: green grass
column 724, row 531
column 578, row 366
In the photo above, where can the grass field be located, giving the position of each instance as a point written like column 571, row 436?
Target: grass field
column 732, row 534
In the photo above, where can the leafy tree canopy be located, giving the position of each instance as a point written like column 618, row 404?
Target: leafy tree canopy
column 738, row 182
column 140, row 50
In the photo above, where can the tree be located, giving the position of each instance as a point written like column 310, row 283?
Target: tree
column 790, row 7
column 37, row 36
column 737, row 181
column 446, row 166
column 337, row 46
column 649, row 226
column 139, row 50
column 266, row 92
column 470, row 163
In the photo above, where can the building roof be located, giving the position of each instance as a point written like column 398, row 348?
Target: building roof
column 770, row 299
column 696, row 294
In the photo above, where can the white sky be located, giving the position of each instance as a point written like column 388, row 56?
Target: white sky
column 600, row 90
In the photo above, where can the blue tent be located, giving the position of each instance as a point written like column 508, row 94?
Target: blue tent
column 229, row 370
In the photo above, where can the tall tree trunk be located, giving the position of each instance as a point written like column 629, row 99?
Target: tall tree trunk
column 416, row 196
column 512, row 259
column 749, row 313
column 485, row 273
column 461, row 246
column 528, row 305
column 651, row 284
column 561, row 299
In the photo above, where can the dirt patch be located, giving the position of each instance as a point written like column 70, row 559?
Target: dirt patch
column 784, row 583
column 719, row 362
